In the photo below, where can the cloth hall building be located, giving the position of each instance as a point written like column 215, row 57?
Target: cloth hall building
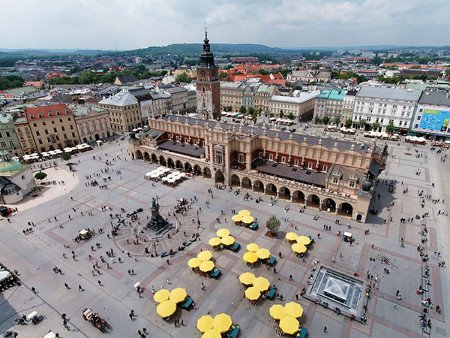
column 331, row 175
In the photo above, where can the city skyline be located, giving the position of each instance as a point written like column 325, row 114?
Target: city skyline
column 118, row 25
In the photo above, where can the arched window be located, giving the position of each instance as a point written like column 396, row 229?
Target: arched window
column 219, row 155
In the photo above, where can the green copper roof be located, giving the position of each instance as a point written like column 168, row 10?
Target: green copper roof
column 332, row 94
column 10, row 167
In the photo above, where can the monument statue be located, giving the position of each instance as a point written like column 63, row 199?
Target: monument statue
column 156, row 223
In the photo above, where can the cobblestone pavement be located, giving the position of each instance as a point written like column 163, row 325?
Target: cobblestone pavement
column 34, row 255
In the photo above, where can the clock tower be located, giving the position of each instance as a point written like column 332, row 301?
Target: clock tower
column 208, row 84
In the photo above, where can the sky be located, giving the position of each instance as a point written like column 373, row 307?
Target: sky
column 130, row 24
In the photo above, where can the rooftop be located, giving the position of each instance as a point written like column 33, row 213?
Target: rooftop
column 435, row 97
column 121, row 99
column 291, row 173
column 303, row 97
column 332, row 94
column 390, row 93
column 182, row 148
column 47, row 111
column 329, row 143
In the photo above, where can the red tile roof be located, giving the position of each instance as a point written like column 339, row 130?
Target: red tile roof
column 43, row 112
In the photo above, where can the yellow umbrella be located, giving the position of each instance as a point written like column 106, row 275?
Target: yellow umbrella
column 213, row 333
column 227, row 240
column 263, row 253
column 222, row 322
column 277, row 311
column 206, row 266
column 223, row 232
column 178, row 295
column 247, row 278
column 252, row 247
column 205, row 255
column 214, row 241
column 161, row 295
column 244, row 213
column 250, row 257
column 236, row 218
column 261, row 283
column 298, row 248
column 166, row 308
column 289, row 325
column 205, row 323
column 194, row 262
column 291, row 236
column 248, row 219
column 252, row 293
column 305, row 240
column 294, row 309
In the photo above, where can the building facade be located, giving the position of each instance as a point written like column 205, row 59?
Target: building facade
column 9, row 140
column 25, row 136
column 349, row 104
column 330, row 102
column 309, row 76
column 292, row 107
column 432, row 116
column 208, row 84
column 52, row 126
column 92, row 123
column 331, row 175
column 231, row 96
column 124, row 112
column 386, row 105
column 262, row 97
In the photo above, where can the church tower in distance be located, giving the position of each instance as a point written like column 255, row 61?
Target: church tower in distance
column 208, row 84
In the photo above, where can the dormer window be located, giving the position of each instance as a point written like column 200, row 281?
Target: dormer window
column 40, row 116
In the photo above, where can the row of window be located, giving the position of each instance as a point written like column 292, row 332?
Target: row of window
column 53, row 138
column 7, row 134
column 39, row 115
column 3, row 144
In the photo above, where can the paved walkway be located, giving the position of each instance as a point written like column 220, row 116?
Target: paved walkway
column 35, row 255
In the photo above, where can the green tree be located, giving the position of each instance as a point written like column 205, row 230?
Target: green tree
column 263, row 72
column 66, row 156
column 348, row 123
column 242, row 110
column 375, row 126
column 223, row 75
column 183, row 78
column 10, row 81
column 362, row 123
column 273, row 224
column 325, row 120
column 337, row 120
column 40, row 175
column 317, row 120
column 281, row 113
column 447, row 71
column 291, row 116
column 390, row 128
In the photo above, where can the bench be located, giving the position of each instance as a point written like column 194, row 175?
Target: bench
column 215, row 273
column 234, row 331
column 188, row 303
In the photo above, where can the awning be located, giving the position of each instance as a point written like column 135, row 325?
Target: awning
column 374, row 168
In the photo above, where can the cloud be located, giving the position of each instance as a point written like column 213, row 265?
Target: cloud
column 122, row 24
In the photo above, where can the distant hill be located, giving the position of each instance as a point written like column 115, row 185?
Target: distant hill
column 193, row 49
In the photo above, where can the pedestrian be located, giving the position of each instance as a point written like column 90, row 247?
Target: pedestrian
column 203, row 286
column 66, row 285
column 100, row 282
column 290, row 277
column 80, row 288
column 325, row 330
column 33, row 289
